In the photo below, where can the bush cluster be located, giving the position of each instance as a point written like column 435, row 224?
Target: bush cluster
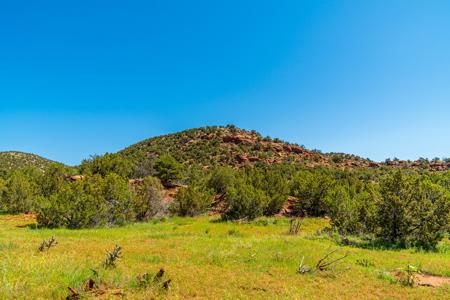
column 97, row 200
column 401, row 207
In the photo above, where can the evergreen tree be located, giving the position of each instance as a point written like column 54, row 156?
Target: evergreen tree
column 168, row 169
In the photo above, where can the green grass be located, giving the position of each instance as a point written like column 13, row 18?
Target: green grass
column 205, row 259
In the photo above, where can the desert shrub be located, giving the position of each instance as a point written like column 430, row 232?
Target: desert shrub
column 442, row 179
column 274, row 184
column 412, row 211
column 50, row 211
column 52, row 180
column 277, row 189
column 337, row 158
column 244, row 201
column 19, row 192
column 119, row 200
column 108, row 163
column 429, row 216
column 312, row 187
column 221, row 179
column 2, row 187
column 148, row 199
column 144, row 168
column 393, row 208
column 352, row 211
column 192, row 200
column 405, row 209
column 71, row 208
column 168, row 169
column 92, row 202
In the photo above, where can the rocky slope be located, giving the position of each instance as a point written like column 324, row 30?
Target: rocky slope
column 232, row 146
column 236, row 147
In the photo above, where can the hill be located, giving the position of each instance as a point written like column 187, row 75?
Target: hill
column 216, row 145
column 233, row 146
column 13, row 160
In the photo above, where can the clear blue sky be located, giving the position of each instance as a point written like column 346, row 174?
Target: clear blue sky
column 365, row 77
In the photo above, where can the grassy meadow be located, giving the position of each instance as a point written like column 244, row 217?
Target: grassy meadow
column 204, row 259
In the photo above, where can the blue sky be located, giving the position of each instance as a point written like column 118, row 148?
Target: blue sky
column 365, row 77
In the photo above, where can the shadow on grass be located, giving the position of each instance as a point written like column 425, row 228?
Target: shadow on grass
column 29, row 226
column 363, row 241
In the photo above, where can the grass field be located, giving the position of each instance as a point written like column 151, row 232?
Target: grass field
column 204, row 259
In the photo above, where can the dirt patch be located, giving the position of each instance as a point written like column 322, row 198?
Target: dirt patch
column 421, row 279
column 432, row 280
column 20, row 218
column 169, row 194
column 19, row 221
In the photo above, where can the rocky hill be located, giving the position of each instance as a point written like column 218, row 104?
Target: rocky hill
column 215, row 145
column 236, row 147
column 13, row 160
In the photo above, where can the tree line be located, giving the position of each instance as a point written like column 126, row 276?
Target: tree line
column 403, row 207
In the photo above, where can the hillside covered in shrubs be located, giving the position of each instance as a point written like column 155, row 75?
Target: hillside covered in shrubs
column 13, row 160
column 232, row 146
column 238, row 175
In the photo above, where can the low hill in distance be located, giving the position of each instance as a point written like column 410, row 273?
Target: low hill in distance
column 233, row 146
column 13, row 160
column 230, row 146
column 215, row 145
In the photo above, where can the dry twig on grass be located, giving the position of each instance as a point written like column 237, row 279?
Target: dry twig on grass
column 45, row 245
column 325, row 264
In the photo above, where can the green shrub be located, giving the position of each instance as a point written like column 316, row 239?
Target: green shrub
column 413, row 211
column 119, row 200
column 352, row 212
column 148, row 199
column 2, row 188
column 92, row 202
column 312, row 189
column 52, row 180
column 277, row 189
column 108, row 163
column 245, row 202
column 429, row 217
column 72, row 208
column 191, row 201
column 221, row 179
column 19, row 193
column 168, row 169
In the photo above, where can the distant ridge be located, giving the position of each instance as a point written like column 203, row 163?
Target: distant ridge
column 13, row 160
